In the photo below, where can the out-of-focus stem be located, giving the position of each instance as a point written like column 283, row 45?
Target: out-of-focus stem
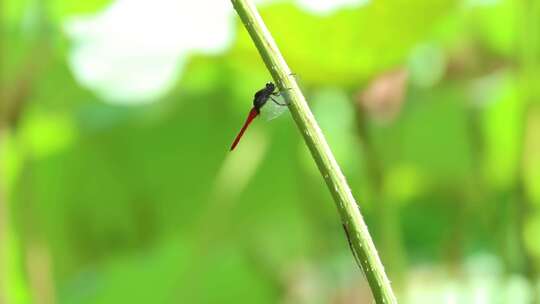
column 393, row 252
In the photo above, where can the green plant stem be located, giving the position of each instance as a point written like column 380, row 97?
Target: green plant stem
column 360, row 239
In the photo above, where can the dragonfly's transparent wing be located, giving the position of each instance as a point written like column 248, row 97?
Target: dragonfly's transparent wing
column 273, row 108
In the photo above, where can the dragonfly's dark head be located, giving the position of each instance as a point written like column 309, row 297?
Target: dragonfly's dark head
column 262, row 96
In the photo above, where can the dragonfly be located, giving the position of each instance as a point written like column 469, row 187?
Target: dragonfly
column 261, row 107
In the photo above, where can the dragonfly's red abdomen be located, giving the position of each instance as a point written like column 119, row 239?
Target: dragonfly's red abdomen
column 252, row 114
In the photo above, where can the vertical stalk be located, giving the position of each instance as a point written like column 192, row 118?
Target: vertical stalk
column 390, row 240
column 360, row 238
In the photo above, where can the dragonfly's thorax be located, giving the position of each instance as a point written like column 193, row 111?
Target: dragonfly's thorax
column 262, row 96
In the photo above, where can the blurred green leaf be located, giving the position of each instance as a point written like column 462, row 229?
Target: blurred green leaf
column 18, row 12
column 531, row 232
column 132, row 278
column 496, row 24
column 351, row 45
column 66, row 8
column 46, row 134
column 503, row 127
column 431, row 135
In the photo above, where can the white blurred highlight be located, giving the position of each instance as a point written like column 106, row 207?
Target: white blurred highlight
column 134, row 50
column 329, row 6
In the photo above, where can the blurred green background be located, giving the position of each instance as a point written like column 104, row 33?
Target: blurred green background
column 117, row 186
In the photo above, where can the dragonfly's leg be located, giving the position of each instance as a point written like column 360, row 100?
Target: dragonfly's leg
column 277, row 102
column 278, row 93
column 286, row 89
